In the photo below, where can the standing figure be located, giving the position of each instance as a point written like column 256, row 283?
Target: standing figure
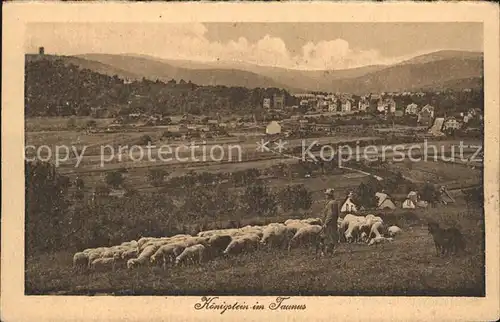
column 330, row 231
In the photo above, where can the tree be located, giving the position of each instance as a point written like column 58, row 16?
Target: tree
column 157, row 177
column 295, row 197
column 429, row 193
column 245, row 177
column 258, row 199
column 144, row 140
column 114, row 179
column 79, row 183
column 102, row 191
column 130, row 191
column 474, row 196
column 46, row 207
column 365, row 196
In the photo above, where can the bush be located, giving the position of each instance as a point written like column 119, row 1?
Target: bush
column 245, row 177
column 259, row 200
column 102, row 191
column 365, row 194
column 295, row 197
column 79, row 183
column 428, row 193
column 144, row 140
column 200, row 202
column 157, row 177
column 46, row 207
column 114, row 179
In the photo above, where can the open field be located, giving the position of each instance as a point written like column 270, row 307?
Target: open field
column 407, row 266
column 61, row 123
column 450, row 174
column 438, row 172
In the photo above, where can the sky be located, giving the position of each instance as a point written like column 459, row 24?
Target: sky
column 311, row 46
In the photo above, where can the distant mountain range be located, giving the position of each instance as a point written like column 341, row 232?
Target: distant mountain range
column 438, row 70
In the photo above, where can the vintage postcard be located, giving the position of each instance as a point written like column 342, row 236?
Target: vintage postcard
column 248, row 161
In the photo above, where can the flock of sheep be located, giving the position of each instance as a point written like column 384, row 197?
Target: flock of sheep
column 206, row 245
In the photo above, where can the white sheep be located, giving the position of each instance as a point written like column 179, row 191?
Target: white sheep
column 241, row 244
column 306, row 236
column 130, row 244
column 313, row 221
column 93, row 250
column 291, row 221
column 143, row 258
column 276, row 235
column 253, row 240
column 379, row 240
column 143, row 240
column 180, row 236
column 157, row 243
column 218, row 244
column 167, row 254
column 376, row 229
column 393, row 231
column 353, row 227
column 195, row 241
column 191, row 254
column 248, row 232
column 236, row 246
column 130, row 253
column 103, row 264
column 80, row 260
column 296, row 225
column 214, row 232
column 344, row 223
column 95, row 254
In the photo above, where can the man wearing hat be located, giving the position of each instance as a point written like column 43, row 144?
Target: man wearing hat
column 331, row 215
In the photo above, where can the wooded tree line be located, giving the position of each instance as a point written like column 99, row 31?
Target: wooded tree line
column 55, row 89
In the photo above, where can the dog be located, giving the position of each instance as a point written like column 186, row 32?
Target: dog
column 447, row 241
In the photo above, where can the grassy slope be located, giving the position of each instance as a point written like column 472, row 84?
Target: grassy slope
column 408, row 266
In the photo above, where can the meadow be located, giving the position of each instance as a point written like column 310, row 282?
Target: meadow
column 407, row 266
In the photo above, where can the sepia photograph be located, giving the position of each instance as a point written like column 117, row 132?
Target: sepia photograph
column 255, row 158
column 251, row 158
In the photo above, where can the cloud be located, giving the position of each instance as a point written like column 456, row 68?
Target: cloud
column 189, row 41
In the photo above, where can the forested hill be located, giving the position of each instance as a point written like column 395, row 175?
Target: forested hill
column 55, row 87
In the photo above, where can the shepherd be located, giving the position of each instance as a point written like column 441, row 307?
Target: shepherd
column 331, row 214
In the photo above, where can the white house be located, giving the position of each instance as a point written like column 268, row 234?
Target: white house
column 411, row 109
column 386, row 105
column 408, row 204
column 266, row 103
column 348, row 205
column 278, row 101
column 363, row 104
column 384, row 201
column 273, row 128
column 426, row 114
column 346, row 105
column 451, row 123
column 332, row 107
